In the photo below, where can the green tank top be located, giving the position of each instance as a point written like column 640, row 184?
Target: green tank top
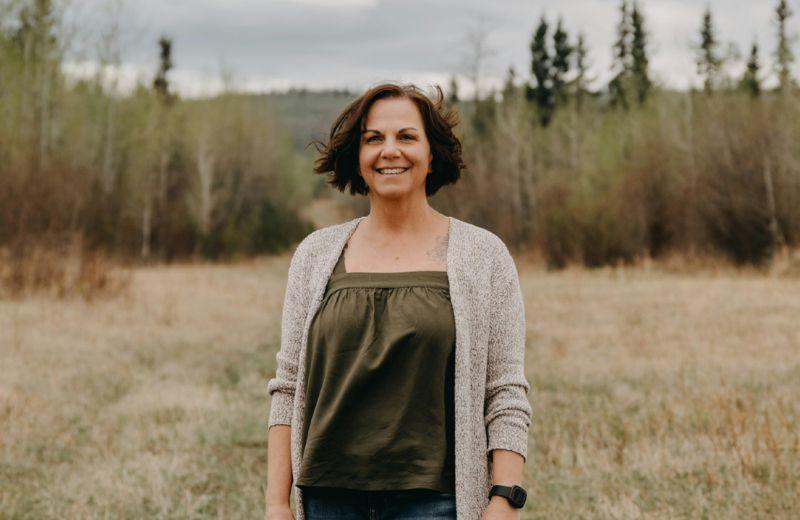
column 380, row 370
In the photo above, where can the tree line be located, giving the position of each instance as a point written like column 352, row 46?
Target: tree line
column 146, row 175
column 587, row 175
column 634, row 169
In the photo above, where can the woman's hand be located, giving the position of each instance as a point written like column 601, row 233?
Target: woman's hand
column 281, row 512
column 500, row 509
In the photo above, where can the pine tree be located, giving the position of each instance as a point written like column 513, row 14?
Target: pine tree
column 639, row 59
column 581, row 67
column 452, row 97
column 542, row 92
column 708, row 61
column 621, row 68
column 623, row 45
column 750, row 81
column 160, row 83
column 156, row 210
column 510, row 85
column 35, row 29
column 561, row 62
column 783, row 53
column 484, row 116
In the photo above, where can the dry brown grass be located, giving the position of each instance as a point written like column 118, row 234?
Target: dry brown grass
column 61, row 268
column 656, row 394
column 664, row 395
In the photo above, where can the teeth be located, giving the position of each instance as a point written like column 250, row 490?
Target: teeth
column 391, row 170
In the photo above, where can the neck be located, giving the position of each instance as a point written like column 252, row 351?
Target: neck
column 401, row 217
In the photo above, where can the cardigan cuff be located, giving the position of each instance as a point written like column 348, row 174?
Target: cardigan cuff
column 507, row 436
column 281, row 409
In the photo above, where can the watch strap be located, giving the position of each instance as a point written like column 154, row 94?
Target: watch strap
column 515, row 495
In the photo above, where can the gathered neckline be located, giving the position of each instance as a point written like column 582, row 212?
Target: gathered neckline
column 422, row 279
column 387, row 273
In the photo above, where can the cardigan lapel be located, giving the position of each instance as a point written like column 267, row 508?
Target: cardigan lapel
column 458, row 271
column 327, row 262
column 330, row 257
column 317, row 282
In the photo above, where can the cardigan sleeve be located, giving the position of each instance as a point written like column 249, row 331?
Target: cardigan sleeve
column 281, row 388
column 507, row 411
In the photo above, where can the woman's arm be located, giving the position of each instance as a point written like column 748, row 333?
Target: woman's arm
column 507, row 467
column 295, row 309
column 507, row 410
column 279, row 473
column 282, row 389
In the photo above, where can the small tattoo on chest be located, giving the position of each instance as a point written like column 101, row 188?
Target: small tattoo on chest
column 439, row 250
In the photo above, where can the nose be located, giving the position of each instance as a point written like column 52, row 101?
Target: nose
column 390, row 149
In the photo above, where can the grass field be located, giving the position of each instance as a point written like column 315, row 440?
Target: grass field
column 655, row 395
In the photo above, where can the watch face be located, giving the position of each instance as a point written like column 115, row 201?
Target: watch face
column 518, row 496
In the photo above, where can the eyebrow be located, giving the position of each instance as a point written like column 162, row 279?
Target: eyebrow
column 401, row 130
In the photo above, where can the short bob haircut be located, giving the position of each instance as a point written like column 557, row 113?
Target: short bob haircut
column 340, row 157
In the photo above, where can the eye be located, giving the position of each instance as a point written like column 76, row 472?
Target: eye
column 371, row 139
column 408, row 137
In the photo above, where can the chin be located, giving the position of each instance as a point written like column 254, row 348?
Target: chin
column 392, row 193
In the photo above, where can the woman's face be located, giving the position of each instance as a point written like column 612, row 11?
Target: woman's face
column 394, row 140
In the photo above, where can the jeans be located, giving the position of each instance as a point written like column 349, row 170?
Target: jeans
column 345, row 504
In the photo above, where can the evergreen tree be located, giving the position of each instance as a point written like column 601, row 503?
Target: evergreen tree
column 639, row 59
column 35, row 30
column 562, row 51
column 622, row 47
column 750, row 81
column 452, row 97
column 708, row 61
column 622, row 65
column 158, row 210
column 783, row 53
column 510, row 85
column 160, row 83
column 484, row 116
column 542, row 92
column 579, row 84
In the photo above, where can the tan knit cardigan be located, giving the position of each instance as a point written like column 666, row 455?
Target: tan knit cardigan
column 491, row 404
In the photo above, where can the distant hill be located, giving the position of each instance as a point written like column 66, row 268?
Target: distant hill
column 308, row 114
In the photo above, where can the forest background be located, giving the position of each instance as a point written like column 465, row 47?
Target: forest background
column 630, row 171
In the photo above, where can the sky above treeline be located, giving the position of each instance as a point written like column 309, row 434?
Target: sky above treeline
column 260, row 45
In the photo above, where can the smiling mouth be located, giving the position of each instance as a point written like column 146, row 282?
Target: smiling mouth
column 391, row 171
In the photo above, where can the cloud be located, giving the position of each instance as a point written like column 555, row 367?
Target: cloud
column 337, row 3
column 350, row 43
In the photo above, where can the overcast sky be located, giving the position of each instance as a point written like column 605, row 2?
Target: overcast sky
column 275, row 44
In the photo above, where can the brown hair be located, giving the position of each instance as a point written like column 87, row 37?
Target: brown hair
column 339, row 157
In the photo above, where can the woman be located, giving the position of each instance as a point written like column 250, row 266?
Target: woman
column 400, row 389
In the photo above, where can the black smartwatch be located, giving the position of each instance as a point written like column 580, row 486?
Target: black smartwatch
column 514, row 494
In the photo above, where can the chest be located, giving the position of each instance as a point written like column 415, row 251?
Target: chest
column 426, row 253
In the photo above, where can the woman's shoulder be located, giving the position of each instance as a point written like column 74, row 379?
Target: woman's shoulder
column 480, row 240
column 311, row 251
column 323, row 238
